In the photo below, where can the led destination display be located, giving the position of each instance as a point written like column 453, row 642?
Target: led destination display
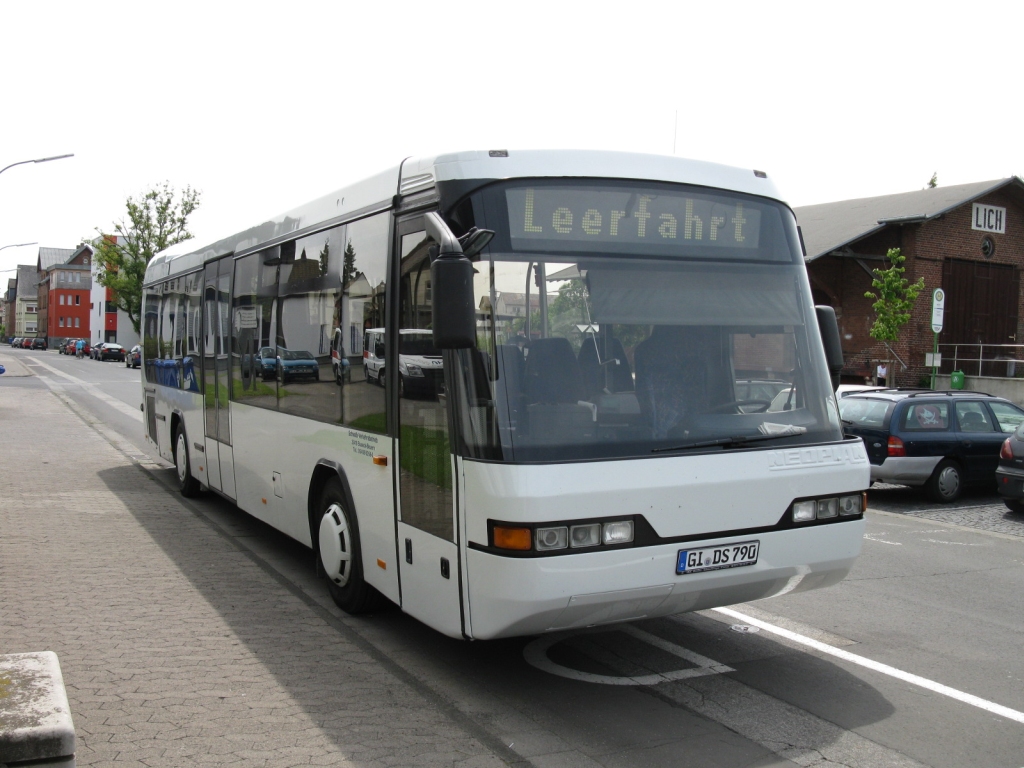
column 590, row 217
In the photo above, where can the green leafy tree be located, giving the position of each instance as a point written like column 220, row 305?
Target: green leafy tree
column 155, row 220
column 894, row 298
column 933, row 182
column 348, row 267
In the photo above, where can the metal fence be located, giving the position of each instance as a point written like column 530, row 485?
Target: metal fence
column 999, row 360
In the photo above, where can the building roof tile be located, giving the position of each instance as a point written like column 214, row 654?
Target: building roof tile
column 830, row 226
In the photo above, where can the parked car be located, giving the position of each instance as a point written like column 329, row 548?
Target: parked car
column 267, row 362
column 94, row 353
column 111, row 351
column 939, row 441
column 297, row 363
column 39, row 343
column 69, row 347
column 16, row 341
column 1010, row 472
column 848, row 389
column 134, row 358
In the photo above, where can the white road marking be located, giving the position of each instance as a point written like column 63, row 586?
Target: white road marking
column 536, row 654
column 877, row 666
column 869, row 537
column 99, row 394
column 957, row 543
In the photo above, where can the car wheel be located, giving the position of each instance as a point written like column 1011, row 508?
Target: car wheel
column 1014, row 505
column 380, row 377
column 337, row 543
column 187, row 484
column 946, row 482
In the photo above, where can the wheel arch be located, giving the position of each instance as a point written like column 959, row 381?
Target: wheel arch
column 324, row 470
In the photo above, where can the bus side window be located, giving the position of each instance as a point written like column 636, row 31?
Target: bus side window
column 364, row 261
column 253, row 300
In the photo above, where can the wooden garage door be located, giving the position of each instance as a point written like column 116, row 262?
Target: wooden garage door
column 981, row 306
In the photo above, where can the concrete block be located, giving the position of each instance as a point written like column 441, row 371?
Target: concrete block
column 35, row 719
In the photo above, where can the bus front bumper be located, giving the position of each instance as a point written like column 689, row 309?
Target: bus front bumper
column 524, row 596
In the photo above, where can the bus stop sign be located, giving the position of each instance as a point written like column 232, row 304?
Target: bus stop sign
column 938, row 304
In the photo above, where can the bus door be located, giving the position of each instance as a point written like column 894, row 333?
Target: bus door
column 216, row 365
column 428, row 538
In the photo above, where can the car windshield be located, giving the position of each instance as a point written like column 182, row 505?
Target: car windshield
column 294, row 354
column 616, row 319
column 420, row 344
column 863, row 411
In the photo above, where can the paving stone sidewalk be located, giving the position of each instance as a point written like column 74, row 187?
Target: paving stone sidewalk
column 176, row 648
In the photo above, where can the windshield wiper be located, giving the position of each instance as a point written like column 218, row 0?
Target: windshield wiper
column 725, row 442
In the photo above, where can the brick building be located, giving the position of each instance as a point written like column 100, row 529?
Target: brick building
column 967, row 239
column 46, row 260
column 68, row 285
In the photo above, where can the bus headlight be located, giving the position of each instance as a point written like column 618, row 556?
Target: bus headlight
column 415, row 370
column 804, row 511
column 850, row 505
column 552, row 538
column 618, row 533
column 828, row 508
column 586, row 535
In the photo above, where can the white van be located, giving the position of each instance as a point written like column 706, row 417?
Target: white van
column 420, row 364
column 373, row 354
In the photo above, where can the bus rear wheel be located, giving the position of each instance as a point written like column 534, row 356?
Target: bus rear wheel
column 339, row 552
column 187, row 484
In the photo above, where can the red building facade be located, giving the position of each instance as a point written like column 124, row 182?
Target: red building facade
column 68, row 297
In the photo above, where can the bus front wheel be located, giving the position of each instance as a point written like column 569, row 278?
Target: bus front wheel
column 187, row 484
column 339, row 553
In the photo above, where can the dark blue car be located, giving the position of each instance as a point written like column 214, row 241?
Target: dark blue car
column 939, row 441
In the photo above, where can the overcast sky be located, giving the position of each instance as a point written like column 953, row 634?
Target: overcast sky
column 264, row 106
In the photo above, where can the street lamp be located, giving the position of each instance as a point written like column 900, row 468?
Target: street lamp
column 40, row 160
column 15, row 245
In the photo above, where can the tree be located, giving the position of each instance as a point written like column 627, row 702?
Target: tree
column 348, row 267
column 933, row 182
column 894, row 299
column 156, row 220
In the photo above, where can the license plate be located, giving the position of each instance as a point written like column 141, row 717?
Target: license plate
column 718, row 557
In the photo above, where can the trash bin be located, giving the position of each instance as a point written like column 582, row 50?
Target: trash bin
column 956, row 380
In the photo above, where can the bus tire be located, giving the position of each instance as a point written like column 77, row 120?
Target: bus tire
column 187, row 484
column 339, row 553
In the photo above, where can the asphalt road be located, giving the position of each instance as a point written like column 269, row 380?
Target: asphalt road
column 915, row 659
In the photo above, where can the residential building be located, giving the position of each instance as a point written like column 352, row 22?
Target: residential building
column 107, row 322
column 26, row 303
column 47, row 259
column 69, row 286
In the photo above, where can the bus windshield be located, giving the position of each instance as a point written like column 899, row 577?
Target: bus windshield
column 600, row 355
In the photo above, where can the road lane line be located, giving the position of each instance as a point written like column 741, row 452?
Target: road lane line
column 99, row 394
column 877, row 666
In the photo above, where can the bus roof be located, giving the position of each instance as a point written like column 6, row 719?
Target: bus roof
column 417, row 175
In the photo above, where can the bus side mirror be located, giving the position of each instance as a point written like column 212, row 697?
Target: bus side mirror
column 829, row 329
column 451, row 285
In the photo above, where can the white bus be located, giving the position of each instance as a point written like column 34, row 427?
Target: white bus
column 598, row 447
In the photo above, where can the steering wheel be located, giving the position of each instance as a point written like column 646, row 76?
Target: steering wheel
column 740, row 403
